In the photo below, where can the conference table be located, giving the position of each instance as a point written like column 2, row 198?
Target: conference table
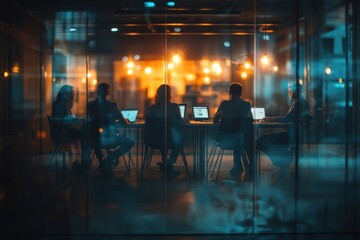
column 200, row 141
column 199, row 131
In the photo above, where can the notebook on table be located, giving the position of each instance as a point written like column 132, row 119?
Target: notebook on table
column 258, row 113
column 130, row 114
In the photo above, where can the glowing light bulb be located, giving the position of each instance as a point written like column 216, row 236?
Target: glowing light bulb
column 206, row 70
column 148, row 70
column 130, row 65
column 328, row 71
column 265, row 60
column 247, row 65
column 176, row 58
column 171, row 66
column 244, row 75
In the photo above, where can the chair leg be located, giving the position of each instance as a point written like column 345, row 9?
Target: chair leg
column 185, row 163
column 54, row 152
column 216, row 162
column 144, row 161
column 222, row 154
column 127, row 165
column 151, row 153
column 212, row 155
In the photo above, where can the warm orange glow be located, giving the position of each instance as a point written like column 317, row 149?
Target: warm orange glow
column 100, row 130
column 206, row 70
column 94, row 81
column 130, row 71
column 6, row 74
column 83, row 80
column 148, row 70
column 265, row 60
column 16, row 68
column 171, row 66
column 216, row 68
column 89, row 75
column 244, row 75
column 41, row 134
column 206, row 79
column 130, row 65
column 247, row 65
column 276, row 68
column 176, row 58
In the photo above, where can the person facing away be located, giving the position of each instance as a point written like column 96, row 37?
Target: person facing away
column 66, row 126
column 298, row 113
column 235, row 127
column 61, row 113
column 106, row 118
column 163, row 120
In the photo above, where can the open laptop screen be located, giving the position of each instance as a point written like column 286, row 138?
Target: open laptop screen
column 130, row 114
column 182, row 110
column 258, row 113
column 201, row 112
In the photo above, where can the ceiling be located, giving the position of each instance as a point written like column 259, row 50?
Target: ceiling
column 186, row 17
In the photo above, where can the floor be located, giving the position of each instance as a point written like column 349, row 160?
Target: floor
column 57, row 202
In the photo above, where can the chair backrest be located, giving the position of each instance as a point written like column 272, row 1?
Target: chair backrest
column 57, row 133
column 162, row 132
column 234, row 131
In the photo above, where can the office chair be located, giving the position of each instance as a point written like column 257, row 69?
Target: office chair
column 61, row 144
column 231, row 136
column 159, row 134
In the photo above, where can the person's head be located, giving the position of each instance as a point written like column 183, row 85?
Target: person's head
column 235, row 90
column 163, row 94
column 66, row 95
column 103, row 90
column 292, row 90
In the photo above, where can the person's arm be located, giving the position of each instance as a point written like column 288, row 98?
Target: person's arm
column 119, row 117
column 290, row 116
column 218, row 113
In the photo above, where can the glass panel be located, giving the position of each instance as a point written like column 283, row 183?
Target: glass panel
column 85, row 171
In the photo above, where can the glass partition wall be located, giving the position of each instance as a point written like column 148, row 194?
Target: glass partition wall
column 306, row 183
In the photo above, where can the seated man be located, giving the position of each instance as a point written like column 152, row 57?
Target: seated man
column 235, row 129
column 298, row 113
column 105, row 117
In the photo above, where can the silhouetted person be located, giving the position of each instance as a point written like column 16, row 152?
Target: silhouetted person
column 106, row 119
column 163, row 119
column 298, row 113
column 236, row 127
column 67, row 126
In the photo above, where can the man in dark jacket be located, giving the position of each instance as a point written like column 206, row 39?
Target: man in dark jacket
column 236, row 127
column 106, row 119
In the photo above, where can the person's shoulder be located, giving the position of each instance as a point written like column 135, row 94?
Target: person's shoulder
column 225, row 102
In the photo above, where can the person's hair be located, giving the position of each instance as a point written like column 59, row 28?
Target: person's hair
column 103, row 90
column 235, row 89
column 64, row 94
column 163, row 94
column 293, row 87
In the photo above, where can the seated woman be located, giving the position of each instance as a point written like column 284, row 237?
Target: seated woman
column 162, row 121
column 67, row 128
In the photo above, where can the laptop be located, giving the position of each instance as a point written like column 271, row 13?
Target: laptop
column 201, row 113
column 182, row 110
column 130, row 114
column 258, row 113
